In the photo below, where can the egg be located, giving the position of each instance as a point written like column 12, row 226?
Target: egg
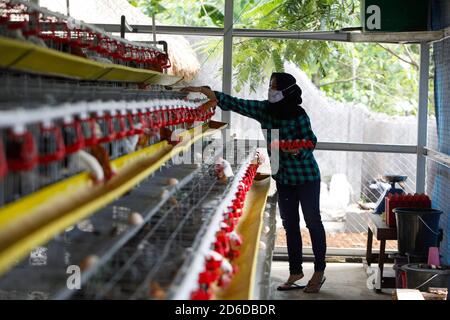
column 135, row 219
column 266, row 229
column 172, row 181
column 89, row 262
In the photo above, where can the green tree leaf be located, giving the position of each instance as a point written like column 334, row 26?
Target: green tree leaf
column 212, row 12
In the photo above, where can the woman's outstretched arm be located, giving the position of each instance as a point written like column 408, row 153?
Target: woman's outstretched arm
column 250, row 108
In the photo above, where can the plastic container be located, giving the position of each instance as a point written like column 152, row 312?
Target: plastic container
column 404, row 201
column 417, row 230
column 422, row 277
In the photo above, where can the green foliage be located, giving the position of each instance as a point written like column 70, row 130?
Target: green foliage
column 149, row 7
column 213, row 12
column 383, row 77
column 203, row 13
column 277, row 61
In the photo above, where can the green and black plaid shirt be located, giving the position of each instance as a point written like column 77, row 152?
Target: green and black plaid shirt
column 292, row 169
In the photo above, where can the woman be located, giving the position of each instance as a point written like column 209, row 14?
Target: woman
column 298, row 175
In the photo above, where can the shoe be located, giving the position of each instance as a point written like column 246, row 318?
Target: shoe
column 314, row 286
column 287, row 286
column 291, row 285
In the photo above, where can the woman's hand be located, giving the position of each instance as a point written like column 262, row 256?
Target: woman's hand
column 205, row 90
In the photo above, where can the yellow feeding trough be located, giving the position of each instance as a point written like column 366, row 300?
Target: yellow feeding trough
column 249, row 227
column 28, row 57
column 37, row 218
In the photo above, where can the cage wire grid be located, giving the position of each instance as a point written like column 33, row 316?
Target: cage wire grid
column 30, row 90
column 347, row 227
column 171, row 230
column 151, row 260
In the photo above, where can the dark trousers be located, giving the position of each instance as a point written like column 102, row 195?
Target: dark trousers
column 308, row 196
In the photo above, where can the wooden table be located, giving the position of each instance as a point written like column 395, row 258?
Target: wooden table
column 382, row 232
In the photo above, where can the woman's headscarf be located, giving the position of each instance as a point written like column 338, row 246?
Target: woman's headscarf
column 289, row 107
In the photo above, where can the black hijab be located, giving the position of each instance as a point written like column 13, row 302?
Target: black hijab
column 288, row 108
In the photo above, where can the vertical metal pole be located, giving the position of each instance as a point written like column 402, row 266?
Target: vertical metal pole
column 227, row 54
column 422, row 116
column 154, row 27
column 123, row 21
column 68, row 7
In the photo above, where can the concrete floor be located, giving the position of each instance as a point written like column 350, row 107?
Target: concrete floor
column 345, row 281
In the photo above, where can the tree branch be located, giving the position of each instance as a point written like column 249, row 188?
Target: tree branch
column 375, row 83
column 414, row 63
column 337, row 81
column 399, row 57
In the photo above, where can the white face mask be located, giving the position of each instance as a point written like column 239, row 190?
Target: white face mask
column 275, row 96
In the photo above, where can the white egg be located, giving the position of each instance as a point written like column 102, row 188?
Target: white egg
column 135, row 219
column 266, row 229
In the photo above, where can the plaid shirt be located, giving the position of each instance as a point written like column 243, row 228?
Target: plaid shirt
column 292, row 169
